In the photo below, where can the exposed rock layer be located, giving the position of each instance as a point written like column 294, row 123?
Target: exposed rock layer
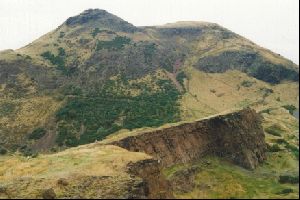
column 154, row 183
column 237, row 136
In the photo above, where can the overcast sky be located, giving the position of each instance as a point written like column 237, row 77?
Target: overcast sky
column 273, row 24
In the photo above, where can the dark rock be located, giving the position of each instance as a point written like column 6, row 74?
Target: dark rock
column 2, row 189
column 288, row 179
column 48, row 194
column 62, row 182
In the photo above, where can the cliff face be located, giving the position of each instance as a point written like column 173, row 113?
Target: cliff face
column 154, row 185
column 105, row 171
column 237, row 136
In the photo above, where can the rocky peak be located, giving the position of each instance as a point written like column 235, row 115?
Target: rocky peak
column 100, row 19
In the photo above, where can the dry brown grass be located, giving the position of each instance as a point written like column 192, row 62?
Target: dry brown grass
column 212, row 93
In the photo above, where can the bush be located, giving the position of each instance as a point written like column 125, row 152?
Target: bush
column 288, row 179
column 149, row 52
column 281, row 141
column 286, row 191
column 180, row 78
column 247, row 83
column 266, row 91
column 274, row 148
column 7, row 109
column 268, row 111
column 274, row 130
column 95, row 32
column 61, row 34
column 290, row 108
column 104, row 112
column 37, row 134
column 293, row 149
column 117, row 43
column 3, row 151
column 28, row 152
column 58, row 61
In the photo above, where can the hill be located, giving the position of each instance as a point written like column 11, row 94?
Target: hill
column 97, row 77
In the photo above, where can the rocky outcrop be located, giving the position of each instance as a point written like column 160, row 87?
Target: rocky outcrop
column 154, row 186
column 237, row 136
column 97, row 18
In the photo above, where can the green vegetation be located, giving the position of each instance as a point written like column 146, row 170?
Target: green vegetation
column 37, row 134
column 95, row 32
column 219, row 179
column 7, row 109
column 28, row 152
column 247, row 83
column 149, row 52
column 266, row 91
column 286, row 191
column 290, row 108
column 274, row 148
column 61, row 34
column 283, row 179
column 249, row 62
column 268, row 111
column 3, row 151
column 167, row 64
column 58, row 61
column 180, row 78
column 274, row 130
column 293, row 149
column 95, row 115
column 71, row 90
column 117, row 43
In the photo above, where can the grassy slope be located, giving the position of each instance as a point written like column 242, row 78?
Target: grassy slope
column 86, row 169
column 219, row 179
column 211, row 93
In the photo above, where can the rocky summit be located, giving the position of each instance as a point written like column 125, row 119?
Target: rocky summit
column 100, row 108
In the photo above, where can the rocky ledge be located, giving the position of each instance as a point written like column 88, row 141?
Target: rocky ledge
column 237, row 136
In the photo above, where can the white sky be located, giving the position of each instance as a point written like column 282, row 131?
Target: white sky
column 273, row 24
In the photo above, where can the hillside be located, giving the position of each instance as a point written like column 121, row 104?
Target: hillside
column 97, row 56
column 97, row 77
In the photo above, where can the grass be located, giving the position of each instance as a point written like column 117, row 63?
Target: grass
column 94, row 159
column 31, row 112
column 87, row 169
column 224, row 180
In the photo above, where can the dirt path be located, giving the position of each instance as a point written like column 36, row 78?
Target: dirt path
column 172, row 76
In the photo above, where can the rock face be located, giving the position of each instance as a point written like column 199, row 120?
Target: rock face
column 154, row 186
column 237, row 136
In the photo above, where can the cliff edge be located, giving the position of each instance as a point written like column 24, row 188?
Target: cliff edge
column 237, row 136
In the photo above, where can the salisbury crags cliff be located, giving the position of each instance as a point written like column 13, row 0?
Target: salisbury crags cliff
column 113, row 172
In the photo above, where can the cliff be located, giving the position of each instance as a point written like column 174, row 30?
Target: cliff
column 237, row 136
column 103, row 170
